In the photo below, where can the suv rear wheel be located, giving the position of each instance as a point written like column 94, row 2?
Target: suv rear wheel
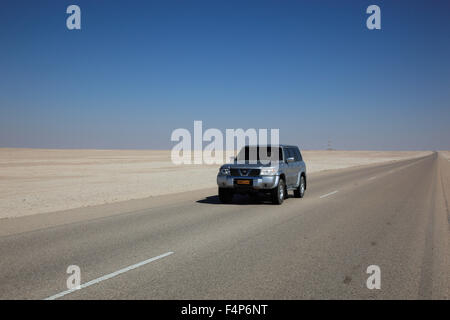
column 279, row 193
column 300, row 191
column 225, row 195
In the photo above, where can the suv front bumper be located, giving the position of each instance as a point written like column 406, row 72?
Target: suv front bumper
column 261, row 182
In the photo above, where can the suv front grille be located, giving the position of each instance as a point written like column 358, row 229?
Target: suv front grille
column 245, row 172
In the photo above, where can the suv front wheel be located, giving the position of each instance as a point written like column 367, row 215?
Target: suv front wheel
column 279, row 193
column 300, row 191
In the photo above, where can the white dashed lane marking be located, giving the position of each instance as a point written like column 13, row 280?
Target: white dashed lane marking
column 108, row 276
column 328, row 194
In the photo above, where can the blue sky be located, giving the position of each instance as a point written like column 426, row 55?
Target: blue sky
column 139, row 69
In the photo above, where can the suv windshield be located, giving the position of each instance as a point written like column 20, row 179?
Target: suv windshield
column 264, row 154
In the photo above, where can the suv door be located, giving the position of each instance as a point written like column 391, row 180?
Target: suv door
column 290, row 167
column 298, row 167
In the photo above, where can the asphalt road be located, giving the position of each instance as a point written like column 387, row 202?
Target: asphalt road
column 393, row 215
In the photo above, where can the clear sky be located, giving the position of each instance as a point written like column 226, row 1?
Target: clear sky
column 139, row 69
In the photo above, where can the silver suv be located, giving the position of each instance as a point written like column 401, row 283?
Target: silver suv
column 273, row 170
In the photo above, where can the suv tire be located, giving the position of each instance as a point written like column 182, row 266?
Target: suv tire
column 300, row 191
column 279, row 192
column 225, row 195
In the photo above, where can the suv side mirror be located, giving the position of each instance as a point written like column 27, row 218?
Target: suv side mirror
column 290, row 159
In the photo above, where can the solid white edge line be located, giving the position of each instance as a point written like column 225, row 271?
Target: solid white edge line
column 328, row 194
column 109, row 276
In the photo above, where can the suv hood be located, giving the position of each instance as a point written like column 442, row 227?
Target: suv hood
column 249, row 165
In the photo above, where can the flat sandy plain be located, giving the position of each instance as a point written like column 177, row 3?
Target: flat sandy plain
column 445, row 154
column 40, row 180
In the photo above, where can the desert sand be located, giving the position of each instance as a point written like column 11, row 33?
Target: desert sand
column 445, row 154
column 39, row 180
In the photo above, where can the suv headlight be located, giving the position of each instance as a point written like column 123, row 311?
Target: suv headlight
column 268, row 171
column 225, row 171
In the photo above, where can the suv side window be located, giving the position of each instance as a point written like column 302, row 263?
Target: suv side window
column 298, row 155
column 292, row 154
column 286, row 153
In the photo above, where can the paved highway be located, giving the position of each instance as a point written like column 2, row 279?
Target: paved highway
column 189, row 246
